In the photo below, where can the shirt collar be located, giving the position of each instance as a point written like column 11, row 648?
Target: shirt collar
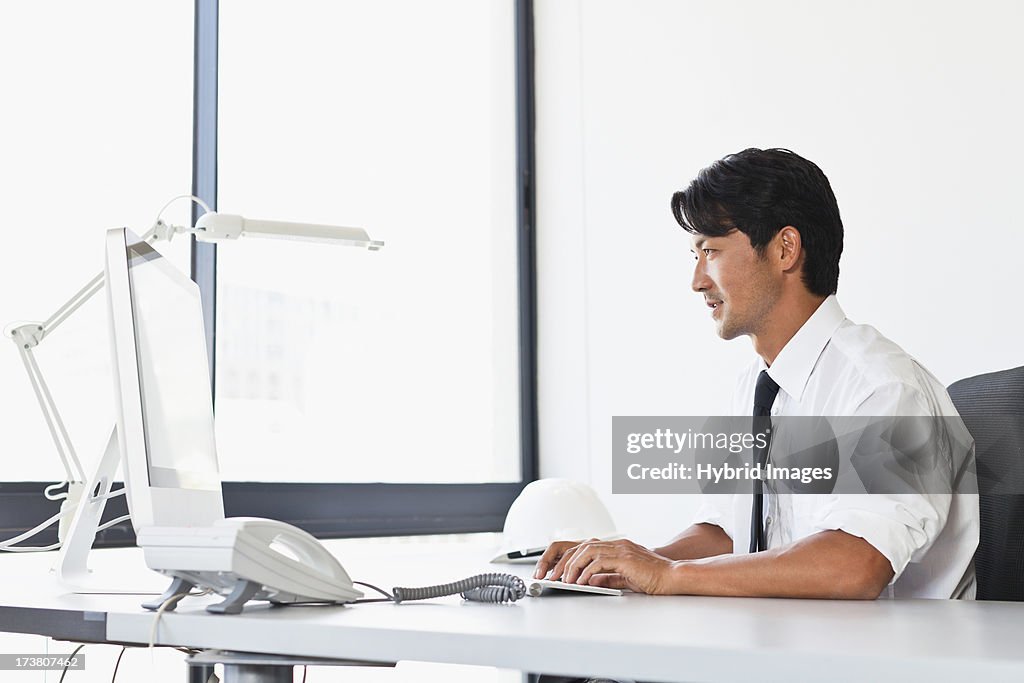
column 792, row 367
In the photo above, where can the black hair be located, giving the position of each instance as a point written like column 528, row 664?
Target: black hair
column 759, row 192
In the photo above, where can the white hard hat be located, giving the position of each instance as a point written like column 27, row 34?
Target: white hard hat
column 550, row 510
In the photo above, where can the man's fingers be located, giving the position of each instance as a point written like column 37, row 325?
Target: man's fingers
column 547, row 559
column 556, row 557
column 592, row 559
column 559, row 569
column 567, row 556
column 582, row 556
column 609, row 580
column 553, row 554
column 598, row 566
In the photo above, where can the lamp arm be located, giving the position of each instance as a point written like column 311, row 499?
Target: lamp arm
column 77, row 301
column 28, row 335
column 58, row 432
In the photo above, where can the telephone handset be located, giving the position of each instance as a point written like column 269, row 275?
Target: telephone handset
column 242, row 559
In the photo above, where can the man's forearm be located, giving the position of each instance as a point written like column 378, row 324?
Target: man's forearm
column 829, row 564
column 698, row 541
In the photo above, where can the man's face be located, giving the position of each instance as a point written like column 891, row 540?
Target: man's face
column 738, row 285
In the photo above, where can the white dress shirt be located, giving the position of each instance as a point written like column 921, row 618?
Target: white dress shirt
column 834, row 367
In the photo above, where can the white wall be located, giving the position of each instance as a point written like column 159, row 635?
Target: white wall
column 912, row 109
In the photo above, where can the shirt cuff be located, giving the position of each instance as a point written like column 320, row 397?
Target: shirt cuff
column 713, row 514
column 893, row 539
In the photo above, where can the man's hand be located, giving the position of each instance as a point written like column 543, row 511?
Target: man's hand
column 554, row 557
column 612, row 564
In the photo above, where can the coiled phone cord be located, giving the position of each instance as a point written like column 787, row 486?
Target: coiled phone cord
column 494, row 588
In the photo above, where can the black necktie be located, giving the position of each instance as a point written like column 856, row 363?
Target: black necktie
column 764, row 397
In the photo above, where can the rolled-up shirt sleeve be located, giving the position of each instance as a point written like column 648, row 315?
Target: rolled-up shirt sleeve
column 901, row 526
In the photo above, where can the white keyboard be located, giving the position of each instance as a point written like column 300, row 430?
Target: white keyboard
column 538, row 587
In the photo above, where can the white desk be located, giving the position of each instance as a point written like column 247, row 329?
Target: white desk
column 635, row 636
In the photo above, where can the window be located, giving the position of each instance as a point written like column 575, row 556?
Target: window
column 335, row 364
column 392, row 392
column 96, row 134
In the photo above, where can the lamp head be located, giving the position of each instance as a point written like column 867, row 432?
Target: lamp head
column 216, row 227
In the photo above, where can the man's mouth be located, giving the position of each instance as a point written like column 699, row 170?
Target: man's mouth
column 714, row 305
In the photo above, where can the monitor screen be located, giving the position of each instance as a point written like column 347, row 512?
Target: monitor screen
column 164, row 403
column 174, row 376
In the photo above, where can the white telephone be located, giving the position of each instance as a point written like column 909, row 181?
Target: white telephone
column 245, row 558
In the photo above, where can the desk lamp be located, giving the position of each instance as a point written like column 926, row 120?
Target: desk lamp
column 210, row 227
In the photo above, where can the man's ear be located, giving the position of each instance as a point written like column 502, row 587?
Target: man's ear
column 790, row 246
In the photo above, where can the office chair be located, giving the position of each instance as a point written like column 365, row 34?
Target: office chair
column 992, row 408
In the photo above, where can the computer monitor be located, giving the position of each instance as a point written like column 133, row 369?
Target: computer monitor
column 163, row 401
column 164, row 433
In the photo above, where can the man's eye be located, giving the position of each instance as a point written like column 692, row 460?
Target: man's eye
column 707, row 252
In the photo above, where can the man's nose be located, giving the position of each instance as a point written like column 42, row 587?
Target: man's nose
column 700, row 282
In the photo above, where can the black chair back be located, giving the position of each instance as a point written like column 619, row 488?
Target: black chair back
column 992, row 408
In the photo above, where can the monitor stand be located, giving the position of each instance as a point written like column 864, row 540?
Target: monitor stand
column 72, row 566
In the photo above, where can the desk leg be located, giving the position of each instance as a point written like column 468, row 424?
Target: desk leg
column 256, row 673
column 243, row 673
column 247, row 667
column 199, row 673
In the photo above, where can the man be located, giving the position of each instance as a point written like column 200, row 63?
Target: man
column 767, row 238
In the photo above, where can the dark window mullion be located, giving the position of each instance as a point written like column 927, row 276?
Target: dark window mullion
column 526, row 210
column 204, row 163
